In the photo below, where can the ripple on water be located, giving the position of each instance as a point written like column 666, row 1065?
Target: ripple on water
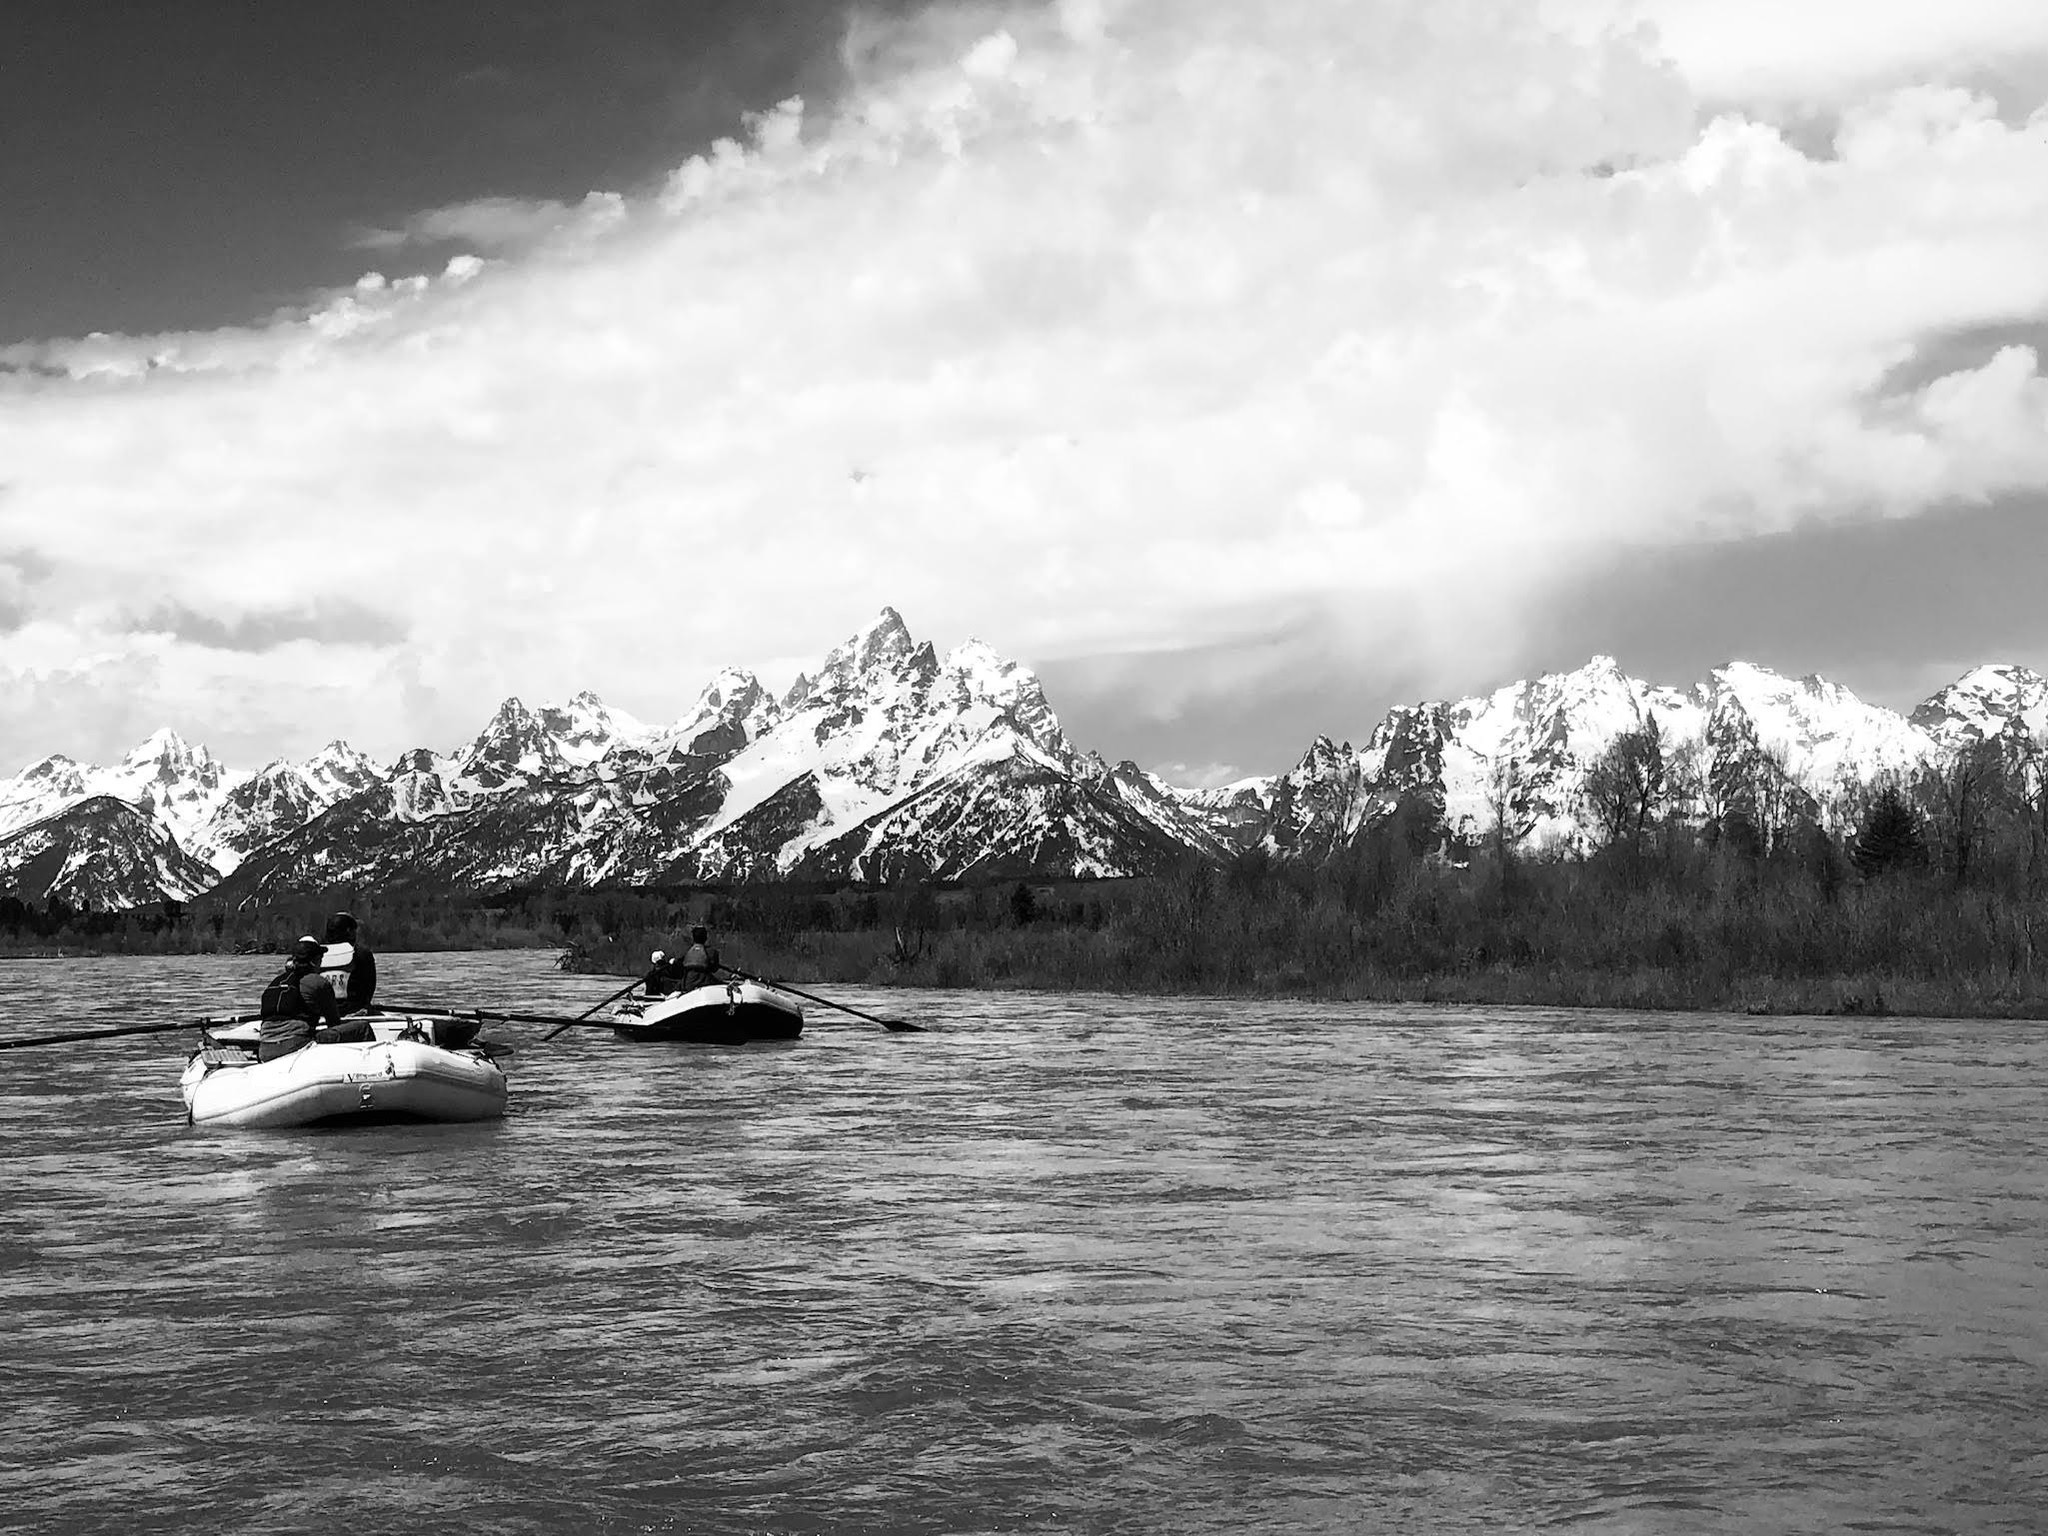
column 1073, row 1264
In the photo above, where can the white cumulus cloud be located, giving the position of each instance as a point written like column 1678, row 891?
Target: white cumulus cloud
column 1092, row 328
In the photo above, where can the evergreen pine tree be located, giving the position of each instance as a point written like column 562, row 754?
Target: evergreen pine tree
column 1890, row 837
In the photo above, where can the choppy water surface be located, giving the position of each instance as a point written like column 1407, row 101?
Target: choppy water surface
column 1065, row 1264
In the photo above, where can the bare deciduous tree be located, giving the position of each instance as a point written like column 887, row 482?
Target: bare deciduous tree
column 1964, row 792
column 1508, row 807
column 1627, row 784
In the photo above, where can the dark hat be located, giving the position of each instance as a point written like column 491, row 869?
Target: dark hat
column 340, row 926
column 697, row 934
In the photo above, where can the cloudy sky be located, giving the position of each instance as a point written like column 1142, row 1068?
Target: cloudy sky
column 1243, row 368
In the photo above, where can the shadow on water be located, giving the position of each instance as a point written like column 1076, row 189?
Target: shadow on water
column 1067, row 1264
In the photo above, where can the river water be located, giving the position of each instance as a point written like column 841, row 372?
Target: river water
column 1088, row 1264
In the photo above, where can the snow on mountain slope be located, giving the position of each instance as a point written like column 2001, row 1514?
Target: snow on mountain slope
column 881, row 718
column 1003, row 814
column 1160, row 805
column 1826, row 736
column 180, row 785
column 521, row 745
column 1984, row 703
column 41, row 789
column 586, row 728
column 1535, row 742
column 827, row 779
column 732, row 710
column 277, row 798
column 890, row 758
column 1551, row 730
column 1235, row 814
column 100, row 852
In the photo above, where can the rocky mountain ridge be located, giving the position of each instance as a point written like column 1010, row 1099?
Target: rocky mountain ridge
column 889, row 759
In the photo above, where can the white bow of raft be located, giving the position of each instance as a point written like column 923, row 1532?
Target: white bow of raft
column 401, row 1075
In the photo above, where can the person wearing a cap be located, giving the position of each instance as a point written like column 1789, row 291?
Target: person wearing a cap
column 296, row 1002
column 660, row 980
column 300, row 1008
column 348, row 965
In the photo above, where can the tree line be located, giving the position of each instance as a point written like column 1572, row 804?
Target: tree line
column 1708, row 878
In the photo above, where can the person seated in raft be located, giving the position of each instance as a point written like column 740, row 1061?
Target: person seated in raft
column 300, row 1009
column 348, row 965
column 659, row 980
column 699, row 966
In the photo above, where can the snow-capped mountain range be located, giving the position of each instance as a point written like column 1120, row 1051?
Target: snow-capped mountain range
column 891, row 759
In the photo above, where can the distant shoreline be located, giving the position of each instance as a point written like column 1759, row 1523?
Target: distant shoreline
column 1647, row 991
column 1671, row 927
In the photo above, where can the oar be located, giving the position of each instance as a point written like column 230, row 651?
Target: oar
column 127, row 1029
column 897, row 1026
column 586, row 1013
column 499, row 1014
column 555, row 1019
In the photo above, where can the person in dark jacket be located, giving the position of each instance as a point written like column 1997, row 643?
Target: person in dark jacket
column 348, row 965
column 699, row 966
column 659, row 980
column 297, row 1001
column 300, row 1008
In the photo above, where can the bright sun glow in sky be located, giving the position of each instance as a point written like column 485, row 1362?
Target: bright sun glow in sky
column 1310, row 337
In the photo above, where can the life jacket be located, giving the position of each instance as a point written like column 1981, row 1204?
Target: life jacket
column 699, row 967
column 282, row 999
column 336, row 961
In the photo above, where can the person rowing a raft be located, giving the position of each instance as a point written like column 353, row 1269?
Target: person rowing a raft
column 300, row 1008
column 659, row 980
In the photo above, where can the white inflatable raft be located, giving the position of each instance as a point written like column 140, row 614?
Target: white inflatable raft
column 391, row 1078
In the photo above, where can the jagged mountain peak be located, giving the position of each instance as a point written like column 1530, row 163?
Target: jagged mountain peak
column 883, row 647
column 159, row 743
column 513, row 747
column 730, row 711
column 55, row 766
column 101, row 851
column 879, row 653
column 512, row 712
column 978, row 674
column 1323, row 755
column 892, row 755
column 991, row 676
column 729, row 686
column 165, row 757
column 586, row 728
column 520, row 742
column 339, row 752
column 338, row 769
column 1740, row 677
column 1995, row 699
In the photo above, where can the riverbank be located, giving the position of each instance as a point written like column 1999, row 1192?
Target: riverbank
column 1687, row 930
column 1706, row 935
column 1057, row 962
